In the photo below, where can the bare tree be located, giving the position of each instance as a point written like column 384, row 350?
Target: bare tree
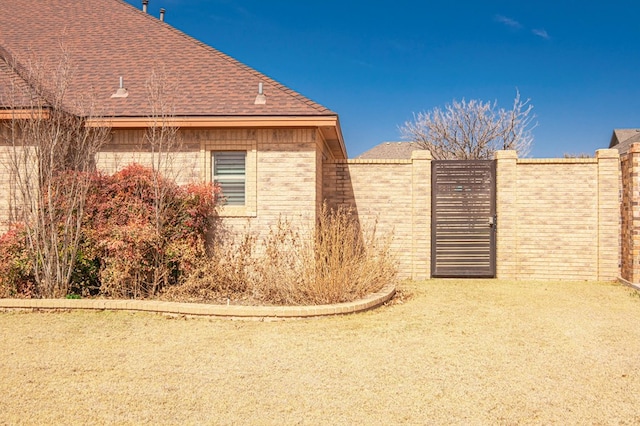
column 51, row 154
column 161, row 135
column 162, row 138
column 472, row 130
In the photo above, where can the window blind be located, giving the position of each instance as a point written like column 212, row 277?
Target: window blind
column 230, row 173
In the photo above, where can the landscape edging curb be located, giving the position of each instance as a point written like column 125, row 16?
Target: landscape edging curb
column 239, row 311
column 629, row 283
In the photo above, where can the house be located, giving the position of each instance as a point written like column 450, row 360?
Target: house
column 263, row 142
column 623, row 138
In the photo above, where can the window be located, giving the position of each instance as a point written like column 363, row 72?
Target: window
column 229, row 172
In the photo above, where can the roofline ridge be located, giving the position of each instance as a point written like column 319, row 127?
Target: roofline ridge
column 309, row 102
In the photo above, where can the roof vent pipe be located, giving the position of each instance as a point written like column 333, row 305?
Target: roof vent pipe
column 145, row 3
column 162, row 14
column 261, row 99
column 121, row 92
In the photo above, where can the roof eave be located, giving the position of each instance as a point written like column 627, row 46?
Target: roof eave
column 23, row 113
column 328, row 125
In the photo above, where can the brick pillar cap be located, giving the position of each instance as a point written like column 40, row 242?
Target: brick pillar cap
column 505, row 154
column 609, row 153
column 421, row 154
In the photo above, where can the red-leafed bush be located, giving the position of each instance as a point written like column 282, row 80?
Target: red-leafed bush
column 16, row 268
column 140, row 233
column 146, row 231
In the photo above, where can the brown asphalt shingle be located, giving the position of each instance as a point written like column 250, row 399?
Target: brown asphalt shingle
column 13, row 89
column 106, row 39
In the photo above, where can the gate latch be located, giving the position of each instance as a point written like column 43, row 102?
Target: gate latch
column 493, row 221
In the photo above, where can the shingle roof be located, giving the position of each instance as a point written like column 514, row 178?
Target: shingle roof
column 106, row 39
column 623, row 138
column 14, row 91
column 390, row 150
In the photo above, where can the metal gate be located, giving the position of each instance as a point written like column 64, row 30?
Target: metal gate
column 463, row 222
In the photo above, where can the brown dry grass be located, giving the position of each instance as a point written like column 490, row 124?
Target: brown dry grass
column 339, row 260
column 451, row 352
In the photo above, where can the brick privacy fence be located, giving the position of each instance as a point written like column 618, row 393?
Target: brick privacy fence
column 557, row 218
column 396, row 194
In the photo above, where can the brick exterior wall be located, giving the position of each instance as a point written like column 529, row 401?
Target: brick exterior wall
column 6, row 187
column 129, row 146
column 283, row 170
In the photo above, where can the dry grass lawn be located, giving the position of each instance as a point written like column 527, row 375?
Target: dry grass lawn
column 453, row 352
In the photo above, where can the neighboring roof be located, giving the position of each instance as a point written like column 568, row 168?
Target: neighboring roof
column 390, row 150
column 107, row 39
column 623, row 138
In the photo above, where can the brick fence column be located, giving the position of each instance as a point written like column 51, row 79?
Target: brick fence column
column 630, row 210
column 421, row 215
column 608, row 213
column 507, row 213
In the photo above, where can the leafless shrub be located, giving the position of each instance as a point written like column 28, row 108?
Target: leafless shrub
column 286, row 267
column 161, row 137
column 52, row 151
column 350, row 261
column 226, row 273
column 581, row 155
column 337, row 261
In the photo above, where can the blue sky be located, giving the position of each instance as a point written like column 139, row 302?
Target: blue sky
column 375, row 63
